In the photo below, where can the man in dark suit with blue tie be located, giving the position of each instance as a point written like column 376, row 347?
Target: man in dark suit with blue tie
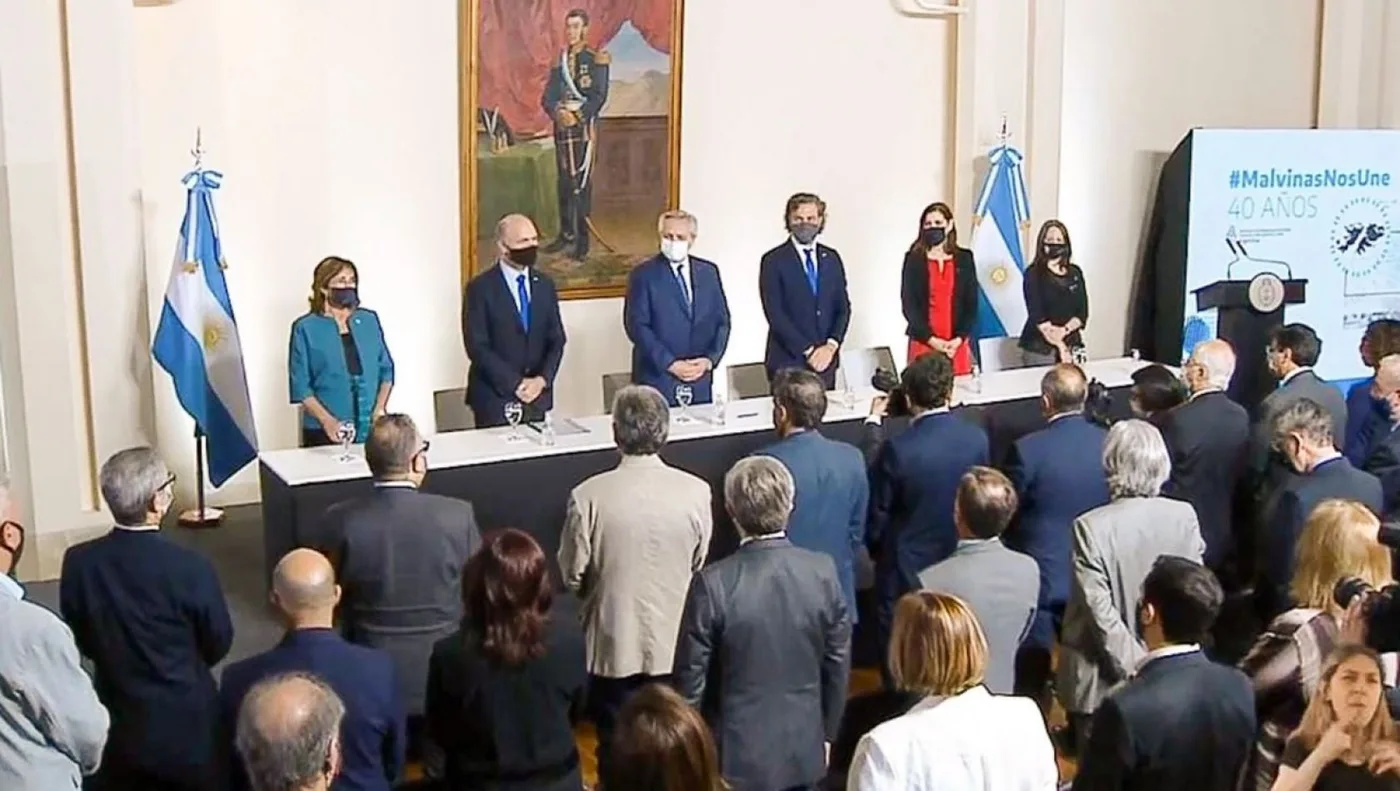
column 512, row 330
column 1058, row 474
column 914, row 483
column 151, row 616
column 802, row 285
column 372, row 732
column 676, row 314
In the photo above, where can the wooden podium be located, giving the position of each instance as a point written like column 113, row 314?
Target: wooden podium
column 1243, row 323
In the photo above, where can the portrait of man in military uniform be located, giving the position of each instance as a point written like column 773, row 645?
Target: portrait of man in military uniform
column 573, row 97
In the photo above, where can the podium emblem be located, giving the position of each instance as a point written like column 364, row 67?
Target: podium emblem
column 1266, row 292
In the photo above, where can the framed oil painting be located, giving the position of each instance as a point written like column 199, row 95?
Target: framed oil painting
column 570, row 115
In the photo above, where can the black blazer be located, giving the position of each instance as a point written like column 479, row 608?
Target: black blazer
column 508, row 727
column 1183, row 723
column 1384, row 462
column 1208, row 438
column 151, row 616
column 913, row 294
column 502, row 353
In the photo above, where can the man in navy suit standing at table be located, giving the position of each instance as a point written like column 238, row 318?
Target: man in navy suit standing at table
column 512, row 329
column 676, row 314
column 802, row 285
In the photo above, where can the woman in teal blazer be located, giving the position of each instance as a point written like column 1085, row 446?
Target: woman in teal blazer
column 339, row 367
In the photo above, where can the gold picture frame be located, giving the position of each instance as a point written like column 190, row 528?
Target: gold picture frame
column 521, row 170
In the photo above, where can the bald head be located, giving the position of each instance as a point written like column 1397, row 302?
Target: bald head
column 287, row 733
column 303, row 583
column 1063, row 389
column 515, row 231
column 1215, row 361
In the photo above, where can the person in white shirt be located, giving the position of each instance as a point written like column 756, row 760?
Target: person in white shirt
column 960, row 737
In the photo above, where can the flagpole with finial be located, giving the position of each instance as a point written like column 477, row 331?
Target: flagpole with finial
column 201, row 516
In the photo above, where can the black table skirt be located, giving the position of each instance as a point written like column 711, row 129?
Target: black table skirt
column 532, row 494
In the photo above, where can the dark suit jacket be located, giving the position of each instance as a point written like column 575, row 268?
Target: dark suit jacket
column 832, row 497
column 762, row 654
column 508, row 728
column 1182, row 723
column 151, row 616
column 1368, row 421
column 912, row 487
column 399, row 554
column 1208, row 438
column 663, row 328
column 502, row 353
column 1335, row 478
column 1383, row 461
column 1264, row 463
column 1058, row 473
column 372, row 737
column 797, row 319
column 913, row 294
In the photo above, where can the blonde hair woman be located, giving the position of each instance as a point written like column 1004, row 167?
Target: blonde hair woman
column 959, row 736
column 1286, row 662
column 1347, row 741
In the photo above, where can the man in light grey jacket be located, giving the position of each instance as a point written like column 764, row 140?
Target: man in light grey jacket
column 52, row 726
column 999, row 584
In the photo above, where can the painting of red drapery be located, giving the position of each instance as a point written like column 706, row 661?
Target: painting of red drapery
column 570, row 115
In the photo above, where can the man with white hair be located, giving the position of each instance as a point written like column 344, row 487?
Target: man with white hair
column 288, row 734
column 151, row 616
column 1383, row 460
column 1208, row 438
column 52, row 726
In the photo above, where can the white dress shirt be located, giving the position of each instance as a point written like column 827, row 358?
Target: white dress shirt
column 1164, row 652
column 511, row 274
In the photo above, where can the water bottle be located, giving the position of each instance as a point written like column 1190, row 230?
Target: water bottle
column 848, row 396
column 721, row 417
column 976, row 378
column 548, row 432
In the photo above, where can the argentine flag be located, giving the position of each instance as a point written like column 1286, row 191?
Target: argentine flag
column 996, row 244
column 196, row 341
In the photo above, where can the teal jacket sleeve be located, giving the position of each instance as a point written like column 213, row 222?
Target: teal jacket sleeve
column 299, row 364
column 386, row 361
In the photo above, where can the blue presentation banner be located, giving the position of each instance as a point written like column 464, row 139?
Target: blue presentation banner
column 1316, row 205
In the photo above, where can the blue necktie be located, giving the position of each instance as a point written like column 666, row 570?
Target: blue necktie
column 811, row 268
column 685, row 289
column 524, row 301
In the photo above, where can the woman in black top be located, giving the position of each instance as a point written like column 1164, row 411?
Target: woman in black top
column 1347, row 741
column 1057, row 301
column 504, row 692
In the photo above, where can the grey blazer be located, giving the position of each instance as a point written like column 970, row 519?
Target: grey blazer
column 762, row 654
column 1000, row 585
column 1114, row 547
column 1305, row 384
column 52, row 725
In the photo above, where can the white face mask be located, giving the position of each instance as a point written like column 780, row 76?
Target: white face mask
column 675, row 250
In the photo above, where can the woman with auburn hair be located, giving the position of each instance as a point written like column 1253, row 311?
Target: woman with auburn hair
column 1338, row 541
column 505, row 690
column 1057, row 300
column 959, row 736
column 1347, row 740
column 661, row 744
column 338, row 365
column 938, row 291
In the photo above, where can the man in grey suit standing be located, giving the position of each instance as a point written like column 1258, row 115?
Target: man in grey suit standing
column 1293, row 351
column 764, row 642
column 632, row 538
column 999, row 584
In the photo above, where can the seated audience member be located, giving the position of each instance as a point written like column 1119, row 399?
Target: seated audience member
column 1208, row 438
column 52, row 726
column 288, row 734
column 1293, row 351
column 1368, row 414
column 151, row 616
column 913, row 483
column 662, row 744
column 999, row 584
column 504, row 692
column 1383, row 459
column 1338, row 541
column 764, row 641
column 1347, row 741
column 632, row 538
column 372, row 734
column 959, row 736
column 1114, row 549
column 1303, row 434
column 1155, row 392
column 1182, row 722
column 832, row 484
column 1058, row 473
column 398, row 554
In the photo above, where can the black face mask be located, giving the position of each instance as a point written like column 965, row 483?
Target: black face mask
column 932, row 237
column 524, row 257
column 345, row 297
column 1056, row 250
column 16, row 551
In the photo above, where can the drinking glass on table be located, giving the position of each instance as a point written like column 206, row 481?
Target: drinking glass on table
column 683, row 396
column 345, row 434
column 514, row 412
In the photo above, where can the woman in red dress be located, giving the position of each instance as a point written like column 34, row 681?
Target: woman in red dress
column 939, row 291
